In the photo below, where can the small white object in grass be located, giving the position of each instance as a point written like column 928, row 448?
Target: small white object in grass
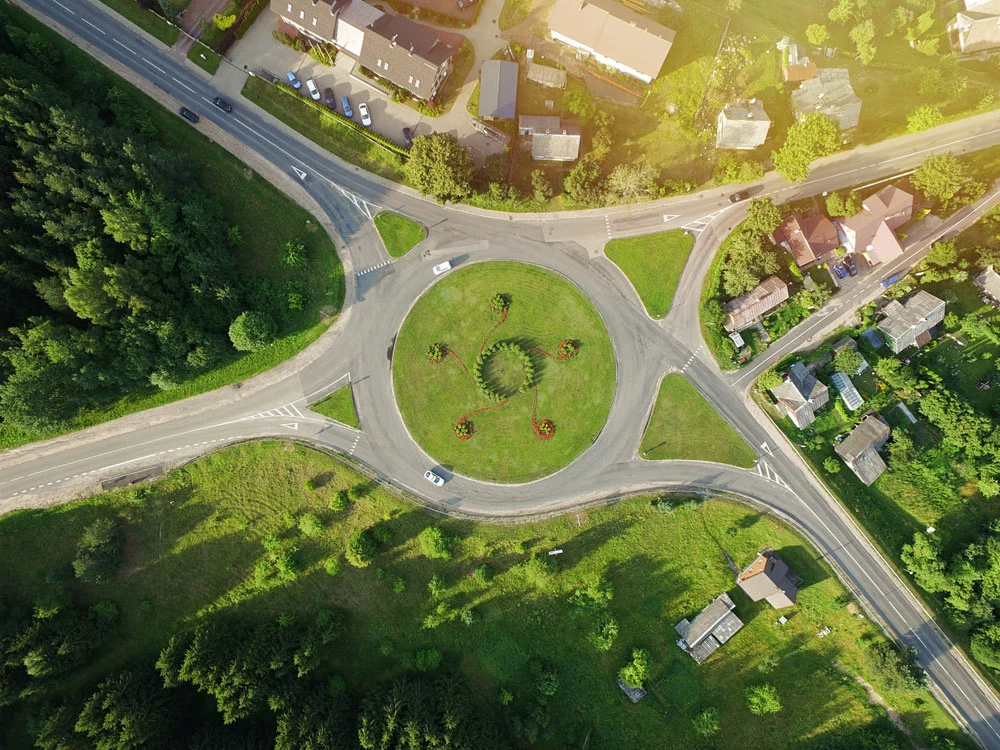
column 555, row 552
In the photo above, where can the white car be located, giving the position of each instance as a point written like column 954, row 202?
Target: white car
column 313, row 91
column 440, row 268
column 366, row 118
column 435, row 479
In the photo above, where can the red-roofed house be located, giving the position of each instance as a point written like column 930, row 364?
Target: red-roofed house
column 808, row 237
column 871, row 231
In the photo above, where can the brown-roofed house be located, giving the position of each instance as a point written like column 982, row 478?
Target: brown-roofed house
column 795, row 66
column 713, row 626
column 415, row 57
column 614, row 35
column 748, row 308
column 890, row 205
column 807, row 236
column 859, row 450
column 768, row 577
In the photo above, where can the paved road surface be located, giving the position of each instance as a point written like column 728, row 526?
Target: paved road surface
column 380, row 293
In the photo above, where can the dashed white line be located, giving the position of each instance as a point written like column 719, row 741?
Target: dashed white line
column 151, row 64
column 93, row 26
column 373, row 268
column 127, row 49
column 183, row 84
column 64, row 7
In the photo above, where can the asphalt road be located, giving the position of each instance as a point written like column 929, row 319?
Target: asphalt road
column 381, row 292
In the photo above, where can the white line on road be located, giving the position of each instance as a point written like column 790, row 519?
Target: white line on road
column 152, row 64
column 93, row 26
column 182, row 84
column 64, row 7
column 127, row 49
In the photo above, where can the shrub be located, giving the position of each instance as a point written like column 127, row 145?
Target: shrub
column 467, row 616
column 483, row 575
column 544, row 429
column 104, row 610
column 99, row 551
column 427, row 659
column 636, row 671
column 763, row 700
column 568, row 349
column 361, row 549
column 359, row 491
column 382, row 533
column 340, row 501
column 767, row 664
column 332, row 566
column 436, row 543
column 252, row 331
column 895, row 664
column 463, row 429
column 831, row 465
column 309, row 485
column 436, row 352
column 311, row 525
column 595, row 594
column 545, row 677
column 499, row 303
column 706, row 723
column 399, row 585
column 436, row 586
column 603, row 636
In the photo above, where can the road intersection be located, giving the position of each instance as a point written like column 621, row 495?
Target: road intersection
column 380, row 292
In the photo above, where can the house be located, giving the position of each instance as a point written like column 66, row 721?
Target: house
column 498, row 89
column 408, row 54
column 988, row 282
column 909, row 323
column 613, row 35
column 829, row 92
column 338, row 22
column 768, row 577
column 977, row 28
column 848, row 392
column 742, row 126
column 749, row 308
column 795, row 66
column 715, row 625
column 859, row 450
column 551, row 139
column 871, row 231
column 807, row 236
column 545, row 75
column 800, row 395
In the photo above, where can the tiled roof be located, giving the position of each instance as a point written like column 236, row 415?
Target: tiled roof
column 829, row 92
column 745, row 309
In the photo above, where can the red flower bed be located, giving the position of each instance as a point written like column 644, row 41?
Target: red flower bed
column 464, row 429
column 544, row 429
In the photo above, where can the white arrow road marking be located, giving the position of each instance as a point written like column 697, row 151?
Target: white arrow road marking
column 766, row 447
column 291, row 425
column 670, row 217
column 301, row 174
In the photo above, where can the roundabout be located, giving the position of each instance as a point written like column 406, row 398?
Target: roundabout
column 503, row 371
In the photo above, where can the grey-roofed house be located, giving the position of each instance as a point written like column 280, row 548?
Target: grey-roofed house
column 768, row 577
column 546, row 75
column 713, row 626
column 977, row 28
column 848, row 393
column 988, row 282
column 550, row 138
column 408, row 54
column 800, row 395
column 859, row 450
column 498, row 89
column 749, row 308
column 614, row 35
column 829, row 92
column 340, row 22
column 909, row 323
column 742, row 126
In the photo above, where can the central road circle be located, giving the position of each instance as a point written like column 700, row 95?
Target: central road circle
column 504, row 372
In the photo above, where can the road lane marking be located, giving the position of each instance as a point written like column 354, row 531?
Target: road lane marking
column 373, row 268
column 65, row 8
column 93, row 26
column 151, row 64
column 127, row 49
column 183, row 84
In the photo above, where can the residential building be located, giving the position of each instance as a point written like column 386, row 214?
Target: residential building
column 871, row 231
column 715, row 625
column 768, row 577
column 800, row 395
column 550, row 138
column 613, row 35
column 829, row 92
column 988, row 282
column 498, row 89
column 340, row 22
column 742, row 126
column 807, row 236
column 408, row 54
column 847, row 390
column 859, row 450
column 795, row 66
column 544, row 75
column 909, row 323
column 977, row 28
column 749, row 308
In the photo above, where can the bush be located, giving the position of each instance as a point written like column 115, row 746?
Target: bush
column 545, row 677
column 309, row 485
column 340, row 501
column 463, row 429
column 483, row 575
column 399, row 585
column 104, row 610
column 252, row 331
column 361, row 549
column 427, row 659
column 603, row 636
column 706, row 723
column 436, row 352
column 332, row 566
column 763, row 700
column 435, row 543
column 99, row 551
column 359, row 491
column 568, row 349
column 831, row 464
column 636, row 671
column 499, row 303
column 436, row 586
column 895, row 664
column 311, row 525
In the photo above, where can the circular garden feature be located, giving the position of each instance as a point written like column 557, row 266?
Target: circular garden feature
column 504, row 372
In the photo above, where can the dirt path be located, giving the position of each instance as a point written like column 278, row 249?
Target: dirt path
column 877, row 700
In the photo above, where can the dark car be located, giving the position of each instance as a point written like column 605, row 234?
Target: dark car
column 222, row 104
column 838, row 268
column 408, row 137
column 329, row 99
column 188, row 115
column 740, row 196
column 852, row 267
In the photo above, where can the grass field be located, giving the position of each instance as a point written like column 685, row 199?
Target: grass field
column 211, row 60
column 339, row 406
column 653, row 263
column 146, row 20
column 266, row 218
column 684, row 425
column 211, row 516
column 324, row 131
column 545, row 309
column 398, row 233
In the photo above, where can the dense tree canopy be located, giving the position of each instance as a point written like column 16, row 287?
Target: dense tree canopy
column 813, row 136
column 440, row 166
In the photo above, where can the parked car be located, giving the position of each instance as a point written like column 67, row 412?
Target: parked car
column 852, row 267
column 434, row 478
column 329, row 99
column 294, row 80
column 740, row 196
column 313, row 91
column 838, row 268
column 408, row 137
column 345, row 104
column 222, row 104
column 463, row 4
column 886, row 283
column 366, row 118
column 188, row 115
column 440, row 268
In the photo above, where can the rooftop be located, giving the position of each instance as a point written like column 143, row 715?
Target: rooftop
column 847, row 390
column 830, row 93
column 498, row 89
column 807, row 236
column 747, row 308
column 900, row 317
column 742, row 125
column 870, row 432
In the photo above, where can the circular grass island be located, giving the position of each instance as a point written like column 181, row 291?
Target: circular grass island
column 503, row 372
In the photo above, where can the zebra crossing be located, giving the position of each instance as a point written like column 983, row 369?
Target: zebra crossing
column 363, row 271
column 288, row 410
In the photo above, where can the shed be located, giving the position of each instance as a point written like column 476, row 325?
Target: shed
column 498, row 89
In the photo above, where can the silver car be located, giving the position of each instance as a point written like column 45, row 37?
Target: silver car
column 436, row 479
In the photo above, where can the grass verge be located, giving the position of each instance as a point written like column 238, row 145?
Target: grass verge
column 662, row 559
column 205, row 58
column 684, row 425
column 398, row 233
column 146, row 20
column 653, row 263
column 339, row 406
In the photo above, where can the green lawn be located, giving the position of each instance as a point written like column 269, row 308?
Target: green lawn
column 684, row 425
column 339, row 406
column 653, row 263
column 398, row 233
column 325, row 131
column 146, row 20
column 574, row 394
column 204, row 58
column 211, row 517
